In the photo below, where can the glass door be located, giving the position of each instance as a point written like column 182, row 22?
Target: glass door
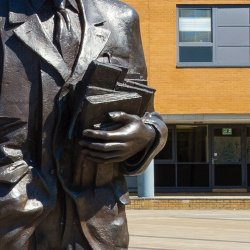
column 227, row 156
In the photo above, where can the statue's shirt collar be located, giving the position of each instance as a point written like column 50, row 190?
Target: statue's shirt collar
column 37, row 4
column 19, row 11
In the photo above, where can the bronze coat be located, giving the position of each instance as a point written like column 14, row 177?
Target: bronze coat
column 42, row 204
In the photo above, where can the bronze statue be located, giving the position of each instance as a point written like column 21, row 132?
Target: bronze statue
column 62, row 184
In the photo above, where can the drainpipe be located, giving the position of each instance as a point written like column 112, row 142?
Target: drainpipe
column 145, row 182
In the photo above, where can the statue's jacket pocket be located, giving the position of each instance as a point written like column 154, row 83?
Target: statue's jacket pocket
column 102, row 217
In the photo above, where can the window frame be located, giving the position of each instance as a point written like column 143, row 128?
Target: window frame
column 214, row 9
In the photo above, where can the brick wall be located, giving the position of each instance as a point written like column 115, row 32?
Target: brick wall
column 187, row 90
column 177, row 203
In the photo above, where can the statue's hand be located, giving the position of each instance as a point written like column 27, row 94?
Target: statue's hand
column 117, row 145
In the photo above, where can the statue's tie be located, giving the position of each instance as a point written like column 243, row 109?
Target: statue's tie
column 65, row 38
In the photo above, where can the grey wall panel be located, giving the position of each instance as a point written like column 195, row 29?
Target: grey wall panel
column 232, row 16
column 232, row 55
column 232, row 36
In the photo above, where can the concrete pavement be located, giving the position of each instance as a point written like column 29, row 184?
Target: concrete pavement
column 189, row 229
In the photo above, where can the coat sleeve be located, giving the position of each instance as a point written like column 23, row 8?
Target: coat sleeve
column 137, row 164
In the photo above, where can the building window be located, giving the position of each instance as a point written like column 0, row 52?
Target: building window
column 166, row 154
column 195, row 25
column 184, row 160
column 192, row 156
column 195, row 36
column 213, row 35
column 191, row 143
column 248, row 155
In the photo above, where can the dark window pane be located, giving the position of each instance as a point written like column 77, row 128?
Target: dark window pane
column 193, row 175
column 248, row 175
column 196, row 54
column 248, row 146
column 192, row 143
column 248, row 156
column 167, row 152
column 164, row 175
column 227, row 175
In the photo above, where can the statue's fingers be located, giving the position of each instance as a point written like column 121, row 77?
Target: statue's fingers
column 105, row 147
column 116, row 135
column 122, row 117
column 103, row 155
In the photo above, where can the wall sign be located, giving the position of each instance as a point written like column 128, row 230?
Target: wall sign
column 227, row 131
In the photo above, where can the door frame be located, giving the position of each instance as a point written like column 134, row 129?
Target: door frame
column 243, row 155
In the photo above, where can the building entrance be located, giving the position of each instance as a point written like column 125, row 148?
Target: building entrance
column 204, row 158
column 226, row 156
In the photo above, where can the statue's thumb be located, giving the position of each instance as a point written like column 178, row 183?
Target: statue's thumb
column 121, row 117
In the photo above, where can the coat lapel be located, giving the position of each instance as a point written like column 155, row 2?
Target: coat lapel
column 94, row 38
column 33, row 35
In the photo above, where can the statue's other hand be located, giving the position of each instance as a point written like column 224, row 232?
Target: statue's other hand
column 120, row 144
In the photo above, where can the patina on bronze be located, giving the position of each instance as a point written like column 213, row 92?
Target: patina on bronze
column 62, row 186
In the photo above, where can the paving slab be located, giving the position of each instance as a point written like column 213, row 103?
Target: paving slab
column 189, row 229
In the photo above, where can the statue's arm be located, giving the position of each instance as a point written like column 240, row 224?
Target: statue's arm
column 138, row 140
column 137, row 164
